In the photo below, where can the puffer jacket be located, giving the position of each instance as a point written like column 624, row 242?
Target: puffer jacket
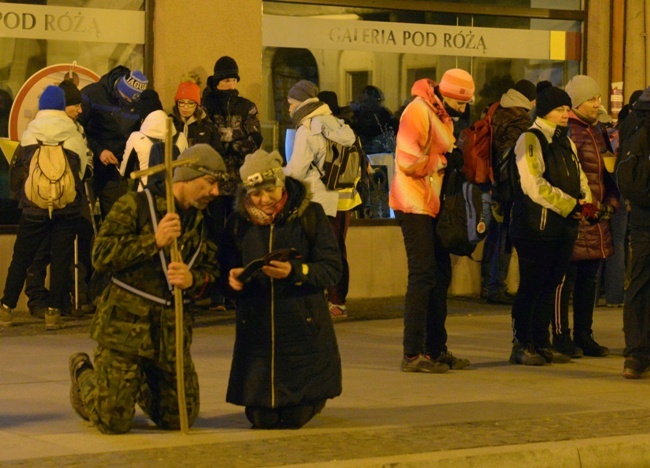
column 552, row 182
column 309, row 149
column 425, row 134
column 510, row 120
column 285, row 346
column 594, row 240
column 108, row 121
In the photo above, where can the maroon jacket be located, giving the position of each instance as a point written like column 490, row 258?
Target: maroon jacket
column 594, row 240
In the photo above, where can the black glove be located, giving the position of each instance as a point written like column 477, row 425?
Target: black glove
column 455, row 159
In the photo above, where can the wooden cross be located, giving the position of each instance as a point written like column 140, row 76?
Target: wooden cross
column 168, row 169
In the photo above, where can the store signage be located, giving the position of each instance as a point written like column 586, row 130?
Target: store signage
column 315, row 33
column 22, row 21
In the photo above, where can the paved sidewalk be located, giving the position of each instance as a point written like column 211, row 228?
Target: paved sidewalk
column 493, row 414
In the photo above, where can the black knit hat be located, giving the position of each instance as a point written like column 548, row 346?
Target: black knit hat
column 549, row 97
column 527, row 88
column 226, row 67
column 72, row 93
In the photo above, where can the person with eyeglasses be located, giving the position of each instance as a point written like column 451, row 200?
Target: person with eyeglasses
column 190, row 118
column 110, row 113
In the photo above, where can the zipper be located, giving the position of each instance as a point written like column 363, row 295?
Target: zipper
column 272, row 326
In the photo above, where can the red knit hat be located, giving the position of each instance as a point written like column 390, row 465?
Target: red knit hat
column 188, row 90
column 457, row 84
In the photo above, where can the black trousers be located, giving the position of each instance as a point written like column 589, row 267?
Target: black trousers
column 32, row 232
column 636, row 309
column 581, row 280
column 542, row 266
column 429, row 277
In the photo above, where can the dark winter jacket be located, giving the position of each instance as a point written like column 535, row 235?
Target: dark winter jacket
column 640, row 115
column 237, row 122
column 594, row 240
column 510, row 120
column 285, row 348
column 199, row 130
column 551, row 182
column 108, row 121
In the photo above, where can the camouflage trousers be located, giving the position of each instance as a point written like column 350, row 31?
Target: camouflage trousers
column 119, row 381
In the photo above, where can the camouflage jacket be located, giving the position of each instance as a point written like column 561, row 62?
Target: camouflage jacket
column 126, row 247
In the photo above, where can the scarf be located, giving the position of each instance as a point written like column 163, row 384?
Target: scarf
column 258, row 217
column 305, row 109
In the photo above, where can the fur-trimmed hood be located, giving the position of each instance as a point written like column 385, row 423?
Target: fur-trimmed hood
column 299, row 197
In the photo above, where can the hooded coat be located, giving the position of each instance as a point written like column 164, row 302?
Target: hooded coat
column 108, row 120
column 198, row 129
column 285, row 347
column 510, row 120
column 309, row 149
column 594, row 240
column 425, row 135
column 154, row 128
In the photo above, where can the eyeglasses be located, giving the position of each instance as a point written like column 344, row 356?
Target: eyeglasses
column 188, row 104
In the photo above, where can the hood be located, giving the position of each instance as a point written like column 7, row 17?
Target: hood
column 109, row 79
column 424, row 89
column 513, row 98
column 51, row 127
column 155, row 125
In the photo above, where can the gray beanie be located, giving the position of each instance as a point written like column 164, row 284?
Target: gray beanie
column 303, row 90
column 261, row 170
column 209, row 163
column 581, row 88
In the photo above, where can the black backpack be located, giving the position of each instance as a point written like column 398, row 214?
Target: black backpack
column 342, row 165
column 632, row 172
column 464, row 215
column 506, row 175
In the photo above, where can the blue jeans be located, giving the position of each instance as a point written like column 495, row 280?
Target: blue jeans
column 496, row 259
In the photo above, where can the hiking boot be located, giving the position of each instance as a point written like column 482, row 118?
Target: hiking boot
column 562, row 343
column 423, row 363
column 6, row 316
column 526, row 355
column 77, row 364
column 38, row 312
column 53, row 320
column 553, row 356
column 589, row 345
column 337, row 311
column 452, row 361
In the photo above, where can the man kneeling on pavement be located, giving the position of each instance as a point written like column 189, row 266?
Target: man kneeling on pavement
column 134, row 324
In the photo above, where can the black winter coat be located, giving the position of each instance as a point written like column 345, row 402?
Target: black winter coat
column 198, row 131
column 285, row 348
column 107, row 120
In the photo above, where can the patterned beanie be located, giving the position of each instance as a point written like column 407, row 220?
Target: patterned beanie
column 133, row 85
column 52, row 98
column 188, row 90
column 261, row 170
column 72, row 93
column 224, row 68
column 549, row 97
column 457, row 84
column 303, row 90
column 581, row 88
column 209, row 163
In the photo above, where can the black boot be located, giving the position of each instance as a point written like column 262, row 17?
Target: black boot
column 589, row 346
column 563, row 344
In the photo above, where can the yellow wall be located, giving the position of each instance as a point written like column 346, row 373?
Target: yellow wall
column 191, row 35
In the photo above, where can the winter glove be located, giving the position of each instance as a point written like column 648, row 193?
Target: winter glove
column 590, row 212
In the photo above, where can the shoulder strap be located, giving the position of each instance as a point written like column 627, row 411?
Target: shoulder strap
column 542, row 139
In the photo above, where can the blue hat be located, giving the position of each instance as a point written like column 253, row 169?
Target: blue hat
column 52, row 97
column 133, row 85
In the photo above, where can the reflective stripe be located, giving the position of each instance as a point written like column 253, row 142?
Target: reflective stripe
column 143, row 294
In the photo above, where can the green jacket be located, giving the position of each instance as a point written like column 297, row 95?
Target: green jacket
column 126, row 246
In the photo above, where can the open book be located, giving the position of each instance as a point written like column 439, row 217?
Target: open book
column 282, row 255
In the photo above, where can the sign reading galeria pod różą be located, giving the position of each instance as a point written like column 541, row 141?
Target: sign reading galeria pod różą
column 375, row 36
